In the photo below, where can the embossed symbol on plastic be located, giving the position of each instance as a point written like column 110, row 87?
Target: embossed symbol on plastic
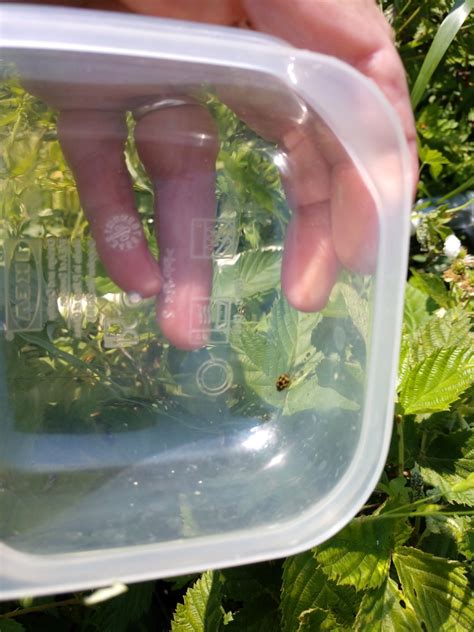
column 214, row 320
column 214, row 377
column 23, row 279
column 122, row 232
column 213, row 237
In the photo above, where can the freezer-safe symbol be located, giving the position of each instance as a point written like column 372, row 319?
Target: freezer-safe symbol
column 213, row 238
column 122, row 232
column 214, row 376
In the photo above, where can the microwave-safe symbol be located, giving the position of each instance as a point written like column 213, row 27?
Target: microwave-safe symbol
column 122, row 232
column 214, row 377
column 214, row 320
column 23, row 286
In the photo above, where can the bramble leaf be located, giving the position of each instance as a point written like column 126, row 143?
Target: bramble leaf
column 449, row 462
column 286, row 348
column 446, row 330
column 201, row 610
column 458, row 528
column 358, row 309
column 432, row 285
column 415, row 312
column 437, row 588
column 319, row 619
column 359, row 555
column 256, row 272
column 385, row 609
column 438, row 380
column 305, row 587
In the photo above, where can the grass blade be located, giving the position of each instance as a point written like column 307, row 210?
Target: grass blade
column 443, row 38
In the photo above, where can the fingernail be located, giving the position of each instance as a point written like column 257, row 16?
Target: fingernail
column 134, row 298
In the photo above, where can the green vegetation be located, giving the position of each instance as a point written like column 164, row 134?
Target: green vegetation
column 405, row 562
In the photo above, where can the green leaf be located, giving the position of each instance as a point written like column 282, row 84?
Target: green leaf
column 291, row 331
column 116, row 615
column 450, row 461
column 256, row 272
column 386, row 609
column 432, row 285
column 443, row 38
column 437, row 588
column 308, row 394
column 286, row 347
column 438, row 380
column 434, row 158
column 317, row 619
column 358, row 309
column 458, row 528
column 201, row 610
column 10, row 625
column 306, row 587
column 359, row 555
column 465, row 485
column 415, row 312
column 259, row 271
column 453, row 327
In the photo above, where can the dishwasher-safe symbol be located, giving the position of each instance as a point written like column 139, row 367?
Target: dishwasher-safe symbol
column 213, row 238
column 214, row 377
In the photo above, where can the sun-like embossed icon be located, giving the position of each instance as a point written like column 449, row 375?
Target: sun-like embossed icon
column 122, row 232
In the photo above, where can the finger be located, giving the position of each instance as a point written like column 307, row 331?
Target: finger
column 310, row 266
column 178, row 147
column 212, row 11
column 93, row 144
column 357, row 33
column 310, row 263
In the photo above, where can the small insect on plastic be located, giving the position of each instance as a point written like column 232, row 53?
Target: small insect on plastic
column 283, row 381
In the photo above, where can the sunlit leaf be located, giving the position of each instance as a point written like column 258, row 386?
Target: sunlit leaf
column 201, row 610
column 437, row 588
column 306, row 587
column 438, row 380
column 386, row 609
column 360, row 554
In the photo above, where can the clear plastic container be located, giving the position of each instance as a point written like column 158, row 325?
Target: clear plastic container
column 245, row 412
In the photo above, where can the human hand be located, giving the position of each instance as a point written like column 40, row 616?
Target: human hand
column 178, row 147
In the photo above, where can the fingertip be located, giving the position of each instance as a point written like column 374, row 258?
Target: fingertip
column 310, row 265
column 181, row 321
column 355, row 223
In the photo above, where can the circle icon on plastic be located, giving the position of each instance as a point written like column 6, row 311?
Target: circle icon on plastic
column 214, row 377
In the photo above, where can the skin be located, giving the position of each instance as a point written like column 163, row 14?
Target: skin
column 178, row 147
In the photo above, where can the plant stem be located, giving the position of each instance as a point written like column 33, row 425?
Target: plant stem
column 401, row 444
column 75, row 601
column 424, row 440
